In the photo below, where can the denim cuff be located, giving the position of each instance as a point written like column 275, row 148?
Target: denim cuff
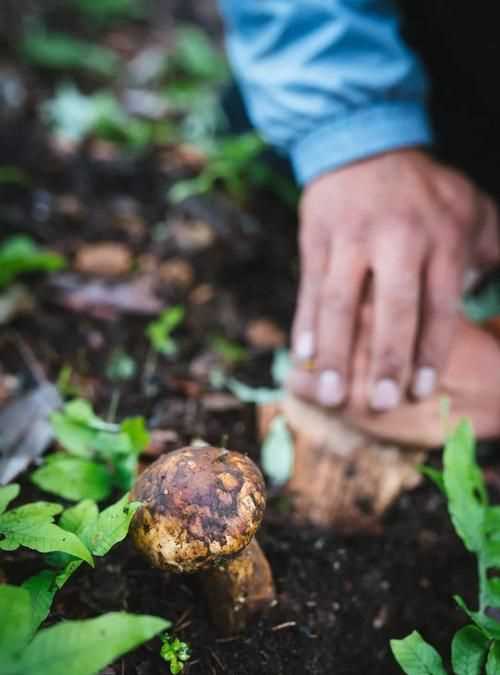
column 359, row 134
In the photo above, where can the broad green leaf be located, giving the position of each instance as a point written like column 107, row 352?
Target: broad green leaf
column 277, row 452
column 85, row 647
column 73, row 478
column 469, row 650
column 135, row 429
column 32, row 526
column 493, row 662
column 78, row 517
column 61, row 51
column 110, row 527
column 16, row 621
column 42, row 588
column 417, row 657
column 7, row 494
column 464, row 484
column 20, row 254
column 488, row 626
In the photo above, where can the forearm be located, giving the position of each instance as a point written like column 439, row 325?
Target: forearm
column 327, row 82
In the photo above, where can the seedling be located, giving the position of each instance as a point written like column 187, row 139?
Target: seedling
column 20, row 254
column 475, row 648
column 97, row 456
column 189, row 498
column 175, row 652
column 160, row 331
column 74, row 116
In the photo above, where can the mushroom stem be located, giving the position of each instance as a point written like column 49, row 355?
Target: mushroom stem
column 342, row 478
column 238, row 589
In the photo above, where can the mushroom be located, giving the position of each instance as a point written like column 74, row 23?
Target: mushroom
column 201, row 507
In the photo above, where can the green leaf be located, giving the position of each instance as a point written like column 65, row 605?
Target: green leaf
column 110, row 527
column 121, row 366
column 257, row 395
column 435, row 476
column 196, row 57
column 464, row 484
column 489, row 627
column 417, row 657
column 77, row 518
column 469, row 650
column 32, row 526
column 7, row 494
column 62, row 51
column 281, row 366
column 73, row 478
column 16, row 623
column 277, row 452
column 42, row 588
column 159, row 331
column 85, row 647
column 104, row 11
column 20, row 254
column 493, row 663
column 135, row 429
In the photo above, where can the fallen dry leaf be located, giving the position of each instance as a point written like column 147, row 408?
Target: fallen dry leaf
column 176, row 272
column 25, row 429
column 107, row 259
column 264, row 334
column 14, row 301
column 107, row 300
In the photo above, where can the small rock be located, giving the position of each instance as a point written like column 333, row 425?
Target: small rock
column 104, row 260
column 264, row 334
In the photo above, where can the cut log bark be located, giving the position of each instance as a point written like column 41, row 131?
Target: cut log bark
column 239, row 589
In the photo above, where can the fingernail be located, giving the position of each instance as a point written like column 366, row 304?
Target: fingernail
column 331, row 389
column 304, row 348
column 425, row 382
column 385, row 395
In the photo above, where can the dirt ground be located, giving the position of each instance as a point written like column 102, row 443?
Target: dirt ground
column 340, row 599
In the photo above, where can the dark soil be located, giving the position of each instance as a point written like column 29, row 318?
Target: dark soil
column 340, row 599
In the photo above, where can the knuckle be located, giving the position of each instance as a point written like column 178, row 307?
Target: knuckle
column 390, row 360
column 336, row 302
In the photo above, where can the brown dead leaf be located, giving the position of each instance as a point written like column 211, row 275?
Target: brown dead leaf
column 107, row 300
column 160, row 441
column 107, row 259
column 264, row 334
column 191, row 236
column 176, row 272
column 202, row 294
column 219, row 402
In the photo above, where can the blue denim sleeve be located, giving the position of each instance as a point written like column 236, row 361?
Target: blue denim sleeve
column 327, row 81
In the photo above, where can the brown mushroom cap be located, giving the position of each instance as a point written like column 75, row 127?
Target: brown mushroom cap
column 200, row 504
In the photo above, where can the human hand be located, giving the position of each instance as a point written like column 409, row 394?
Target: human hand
column 409, row 226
